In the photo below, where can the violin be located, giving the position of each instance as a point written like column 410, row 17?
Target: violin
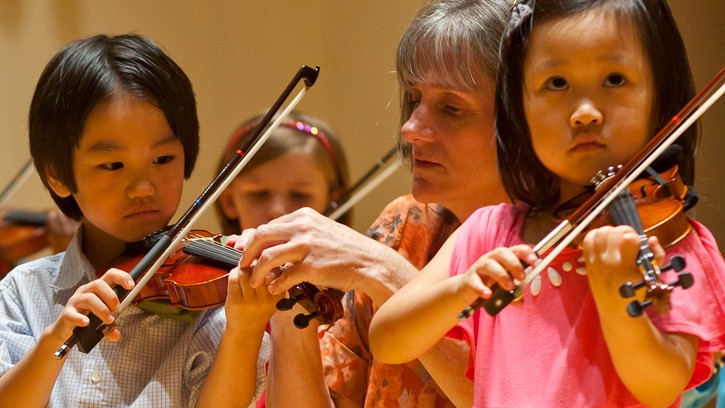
column 661, row 200
column 168, row 243
column 22, row 234
column 195, row 278
column 183, row 280
column 324, row 305
column 605, row 193
column 653, row 206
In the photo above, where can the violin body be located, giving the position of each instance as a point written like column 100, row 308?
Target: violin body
column 659, row 205
column 23, row 234
column 196, row 275
column 661, row 208
column 184, row 280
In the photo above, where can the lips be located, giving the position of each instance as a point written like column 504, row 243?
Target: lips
column 142, row 213
column 586, row 142
column 423, row 160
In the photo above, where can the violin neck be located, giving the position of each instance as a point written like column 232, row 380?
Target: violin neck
column 623, row 211
column 27, row 217
column 213, row 252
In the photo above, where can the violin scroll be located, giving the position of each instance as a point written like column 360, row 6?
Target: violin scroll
column 323, row 304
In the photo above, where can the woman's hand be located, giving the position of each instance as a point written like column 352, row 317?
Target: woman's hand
column 320, row 251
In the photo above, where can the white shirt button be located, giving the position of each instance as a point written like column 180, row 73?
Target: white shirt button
column 95, row 377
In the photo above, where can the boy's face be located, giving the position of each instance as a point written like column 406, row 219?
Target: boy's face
column 129, row 169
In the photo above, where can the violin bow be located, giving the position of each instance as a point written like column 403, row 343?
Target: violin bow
column 17, row 181
column 605, row 193
column 87, row 337
column 384, row 168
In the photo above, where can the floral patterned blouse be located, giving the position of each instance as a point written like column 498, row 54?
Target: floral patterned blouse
column 417, row 232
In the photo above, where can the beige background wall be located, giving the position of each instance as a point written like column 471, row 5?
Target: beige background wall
column 241, row 54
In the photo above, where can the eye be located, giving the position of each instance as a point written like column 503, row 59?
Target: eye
column 453, row 109
column 163, row 159
column 300, row 196
column 557, row 84
column 414, row 100
column 615, row 80
column 257, row 195
column 111, row 166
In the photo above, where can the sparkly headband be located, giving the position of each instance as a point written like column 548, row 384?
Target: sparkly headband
column 291, row 124
column 300, row 126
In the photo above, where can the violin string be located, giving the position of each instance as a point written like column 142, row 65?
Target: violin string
column 215, row 251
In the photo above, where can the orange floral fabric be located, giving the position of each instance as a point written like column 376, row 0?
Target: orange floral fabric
column 417, row 232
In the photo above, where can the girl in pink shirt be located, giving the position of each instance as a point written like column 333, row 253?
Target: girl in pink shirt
column 583, row 86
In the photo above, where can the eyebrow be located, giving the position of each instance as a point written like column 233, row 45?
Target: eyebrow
column 612, row 58
column 108, row 146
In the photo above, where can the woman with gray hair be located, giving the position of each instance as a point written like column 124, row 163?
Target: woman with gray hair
column 447, row 64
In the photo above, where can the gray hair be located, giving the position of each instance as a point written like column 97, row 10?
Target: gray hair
column 452, row 44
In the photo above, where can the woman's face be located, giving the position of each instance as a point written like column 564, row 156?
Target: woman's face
column 275, row 188
column 451, row 132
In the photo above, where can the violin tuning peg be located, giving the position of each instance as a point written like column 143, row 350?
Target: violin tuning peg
column 301, row 321
column 636, row 308
column 627, row 290
column 677, row 263
column 684, row 280
column 286, row 304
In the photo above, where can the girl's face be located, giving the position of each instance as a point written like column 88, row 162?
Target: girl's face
column 129, row 169
column 588, row 91
column 451, row 132
column 275, row 188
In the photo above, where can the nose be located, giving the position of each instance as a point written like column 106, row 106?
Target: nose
column 277, row 206
column 418, row 126
column 141, row 187
column 586, row 114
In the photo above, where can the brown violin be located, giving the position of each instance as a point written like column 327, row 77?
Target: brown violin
column 22, row 233
column 654, row 206
column 195, row 278
column 661, row 200
column 183, row 280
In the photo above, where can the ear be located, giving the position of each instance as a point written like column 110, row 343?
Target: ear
column 226, row 202
column 58, row 187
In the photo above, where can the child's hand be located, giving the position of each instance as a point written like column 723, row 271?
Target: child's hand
column 610, row 254
column 245, row 305
column 502, row 266
column 96, row 297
